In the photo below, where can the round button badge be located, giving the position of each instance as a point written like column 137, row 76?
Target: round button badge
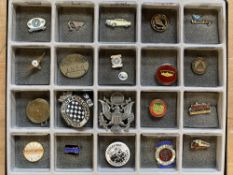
column 199, row 66
column 166, row 74
column 33, row 151
column 157, row 108
column 117, row 154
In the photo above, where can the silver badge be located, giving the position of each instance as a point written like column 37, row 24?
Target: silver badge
column 116, row 113
column 116, row 61
column 123, row 76
column 75, row 25
column 36, row 24
column 75, row 110
column 117, row 154
column 117, row 22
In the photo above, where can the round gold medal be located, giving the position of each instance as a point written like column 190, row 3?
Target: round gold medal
column 74, row 66
column 33, row 151
column 38, row 110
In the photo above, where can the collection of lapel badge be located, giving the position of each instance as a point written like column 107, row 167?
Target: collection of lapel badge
column 116, row 111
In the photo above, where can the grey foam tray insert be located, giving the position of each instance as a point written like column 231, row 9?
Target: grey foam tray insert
column 60, row 122
column 22, row 98
column 202, row 158
column 23, row 15
column 148, row 150
column 87, row 79
column 170, row 118
column 201, row 33
column 109, row 76
column 85, row 33
column 210, row 78
column 204, row 120
column 19, row 144
column 24, row 73
column 149, row 35
column 103, row 143
column 151, row 60
column 81, row 162
column 117, row 34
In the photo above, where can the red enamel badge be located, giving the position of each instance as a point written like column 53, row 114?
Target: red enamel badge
column 166, row 74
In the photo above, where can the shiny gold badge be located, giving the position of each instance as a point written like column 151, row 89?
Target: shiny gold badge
column 38, row 110
column 33, row 151
column 74, row 66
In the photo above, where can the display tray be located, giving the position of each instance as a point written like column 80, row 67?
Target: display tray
column 143, row 51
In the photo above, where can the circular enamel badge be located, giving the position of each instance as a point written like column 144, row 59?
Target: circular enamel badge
column 33, row 151
column 117, row 154
column 166, row 74
column 75, row 111
column 165, row 154
column 157, row 108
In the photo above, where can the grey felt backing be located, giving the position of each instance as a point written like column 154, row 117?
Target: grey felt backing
column 204, row 120
column 201, row 33
column 109, row 76
column 127, row 95
column 84, row 14
column 22, row 99
column 149, row 35
column 60, row 122
column 103, row 143
column 19, row 144
column 117, row 34
column 201, row 158
column 25, row 74
column 23, row 15
column 148, row 150
column 87, row 79
column 151, row 60
column 170, row 118
column 81, row 162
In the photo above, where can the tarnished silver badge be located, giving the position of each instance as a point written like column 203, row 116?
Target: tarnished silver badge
column 75, row 25
column 116, row 61
column 75, row 109
column 117, row 154
column 36, row 24
column 116, row 113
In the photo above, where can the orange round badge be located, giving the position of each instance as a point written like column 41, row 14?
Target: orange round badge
column 158, row 108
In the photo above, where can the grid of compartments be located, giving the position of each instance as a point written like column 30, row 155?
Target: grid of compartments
column 143, row 51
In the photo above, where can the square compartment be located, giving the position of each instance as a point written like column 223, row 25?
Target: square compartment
column 60, row 122
column 104, row 141
column 68, row 162
column 169, row 120
column 149, row 35
column 87, row 79
column 19, row 101
column 211, row 77
column 23, row 72
column 152, row 59
column 210, row 120
column 127, row 95
column 19, row 162
column 201, row 159
column 22, row 14
column 84, row 13
column 117, row 34
column 109, row 76
column 148, row 142
column 202, row 33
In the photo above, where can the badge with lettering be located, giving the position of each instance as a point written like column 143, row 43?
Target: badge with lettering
column 199, row 108
column 165, row 154
column 72, row 149
column 116, row 113
column 166, row 74
column 74, row 66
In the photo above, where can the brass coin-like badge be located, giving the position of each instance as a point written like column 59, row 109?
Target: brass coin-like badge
column 159, row 22
column 74, row 66
column 38, row 110
column 199, row 66
column 33, row 151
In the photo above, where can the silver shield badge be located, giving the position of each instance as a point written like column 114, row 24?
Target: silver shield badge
column 36, row 24
column 116, row 113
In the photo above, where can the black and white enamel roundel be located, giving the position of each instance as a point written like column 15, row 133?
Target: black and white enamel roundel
column 75, row 111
